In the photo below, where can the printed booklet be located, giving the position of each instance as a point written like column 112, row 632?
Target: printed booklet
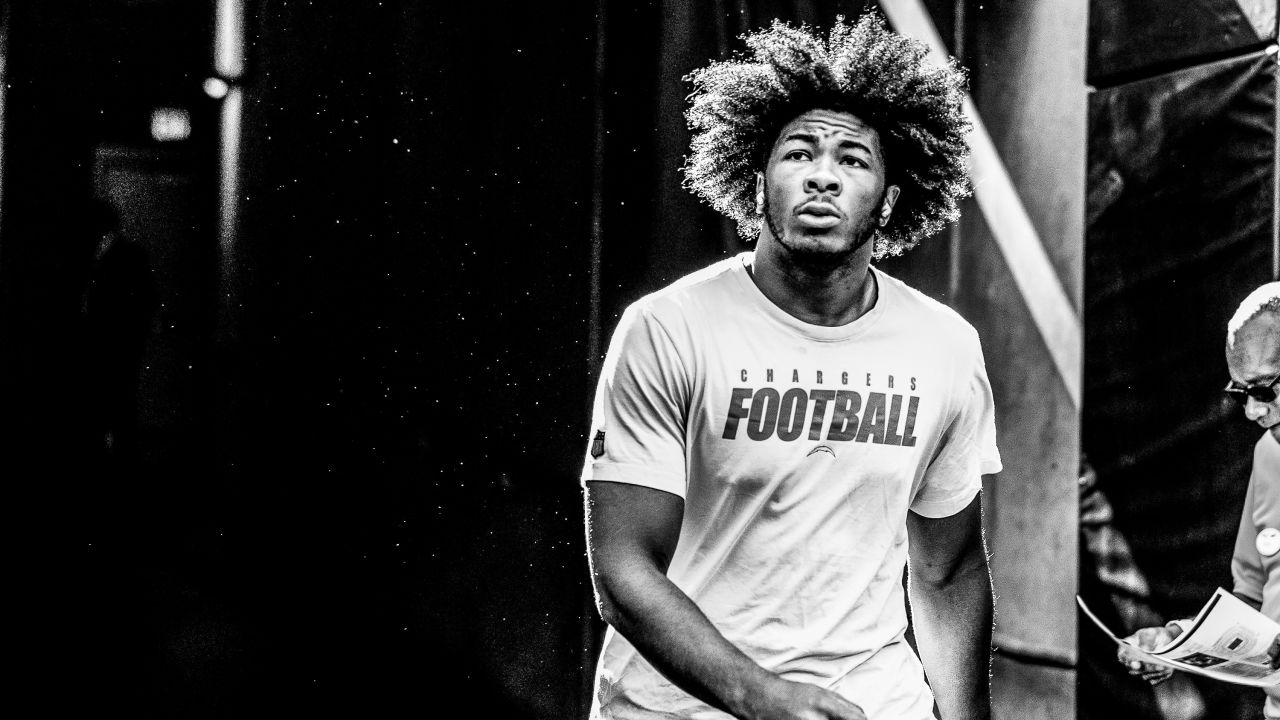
column 1227, row 641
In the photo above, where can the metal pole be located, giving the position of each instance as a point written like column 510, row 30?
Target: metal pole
column 228, row 63
column 595, row 330
column 1275, row 170
column 4, row 83
column 955, row 233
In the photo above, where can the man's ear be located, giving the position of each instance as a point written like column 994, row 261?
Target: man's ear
column 886, row 207
column 759, row 193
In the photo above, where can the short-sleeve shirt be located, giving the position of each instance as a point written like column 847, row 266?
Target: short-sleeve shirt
column 798, row 450
column 1257, row 576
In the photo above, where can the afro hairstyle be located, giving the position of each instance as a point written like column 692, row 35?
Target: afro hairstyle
column 740, row 105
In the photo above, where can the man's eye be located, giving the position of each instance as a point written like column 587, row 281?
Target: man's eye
column 796, row 155
column 854, row 161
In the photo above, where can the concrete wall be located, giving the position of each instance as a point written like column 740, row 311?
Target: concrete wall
column 1027, row 59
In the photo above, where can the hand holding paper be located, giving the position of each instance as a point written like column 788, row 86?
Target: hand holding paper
column 1148, row 639
column 1228, row 640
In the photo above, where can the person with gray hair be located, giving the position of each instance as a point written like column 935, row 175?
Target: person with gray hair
column 1253, row 361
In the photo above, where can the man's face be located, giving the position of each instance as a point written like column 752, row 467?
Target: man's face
column 823, row 187
column 1253, row 359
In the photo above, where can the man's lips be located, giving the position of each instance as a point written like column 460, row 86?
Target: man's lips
column 818, row 209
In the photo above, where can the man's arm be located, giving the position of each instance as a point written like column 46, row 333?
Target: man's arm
column 631, row 535
column 951, row 609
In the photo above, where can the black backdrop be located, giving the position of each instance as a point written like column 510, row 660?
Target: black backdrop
column 1180, row 227
column 342, row 480
column 352, row 490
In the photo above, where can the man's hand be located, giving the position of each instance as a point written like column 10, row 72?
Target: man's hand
column 786, row 700
column 1273, row 652
column 1149, row 639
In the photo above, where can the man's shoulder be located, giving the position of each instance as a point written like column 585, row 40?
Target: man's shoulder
column 694, row 292
column 1266, row 453
column 927, row 314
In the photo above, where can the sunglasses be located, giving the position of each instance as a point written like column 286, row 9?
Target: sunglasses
column 1262, row 392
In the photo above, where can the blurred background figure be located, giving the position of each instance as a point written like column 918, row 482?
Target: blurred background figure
column 118, row 305
column 1114, row 586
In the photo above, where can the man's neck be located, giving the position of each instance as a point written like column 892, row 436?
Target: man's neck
column 819, row 293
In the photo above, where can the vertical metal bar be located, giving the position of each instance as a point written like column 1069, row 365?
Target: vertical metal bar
column 229, row 195
column 228, row 60
column 4, row 83
column 721, row 24
column 1275, row 168
column 228, row 48
column 595, row 329
column 955, row 234
column 228, row 66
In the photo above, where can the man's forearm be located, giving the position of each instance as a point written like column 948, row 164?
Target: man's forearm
column 952, row 618
column 677, row 638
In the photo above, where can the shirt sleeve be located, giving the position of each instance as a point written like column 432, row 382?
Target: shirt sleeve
column 966, row 451
column 1246, row 563
column 641, row 409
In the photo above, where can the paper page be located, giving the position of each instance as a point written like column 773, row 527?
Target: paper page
column 1227, row 641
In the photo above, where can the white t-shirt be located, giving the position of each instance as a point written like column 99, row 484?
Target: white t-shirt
column 1256, row 575
column 798, row 450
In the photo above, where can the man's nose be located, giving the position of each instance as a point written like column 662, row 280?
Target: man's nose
column 1255, row 410
column 822, row 178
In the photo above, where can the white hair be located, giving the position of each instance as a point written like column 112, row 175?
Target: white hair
column 1265, row 299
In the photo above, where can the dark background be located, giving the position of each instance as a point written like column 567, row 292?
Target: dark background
column 341, row 474
column 1180, row 226
column 346, row 484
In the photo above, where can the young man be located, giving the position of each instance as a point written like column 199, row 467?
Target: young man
column 774, row 434
column 1253, row 361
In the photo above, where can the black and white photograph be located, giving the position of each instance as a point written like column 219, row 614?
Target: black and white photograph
column 648, row 360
